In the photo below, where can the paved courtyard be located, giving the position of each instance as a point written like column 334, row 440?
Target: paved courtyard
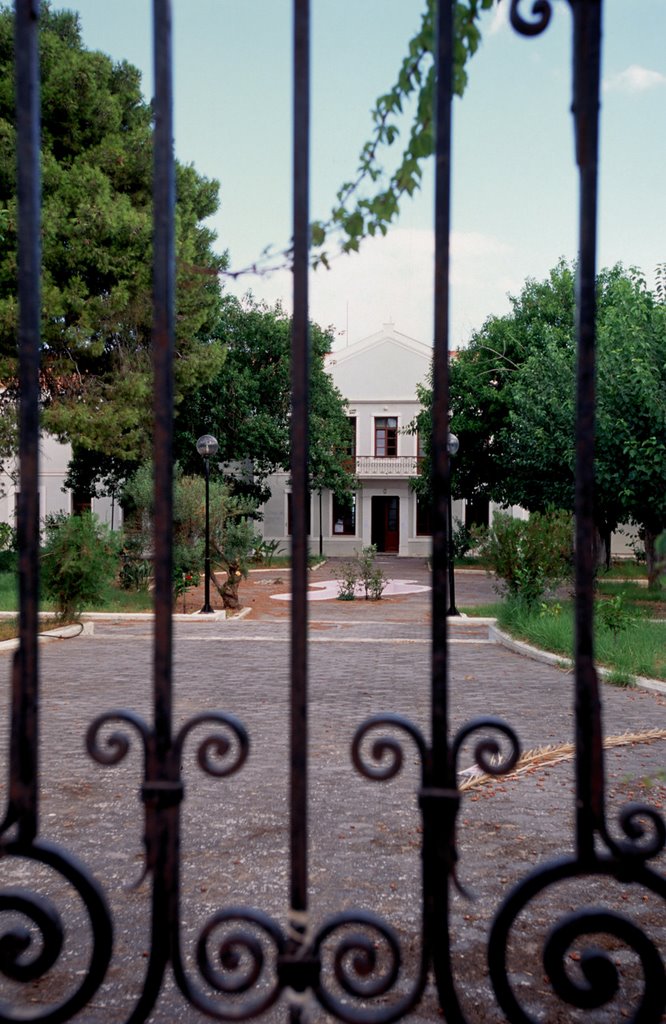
column 364, row 837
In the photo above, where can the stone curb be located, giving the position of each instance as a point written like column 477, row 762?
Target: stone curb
column 60, row 633
column 559, row 661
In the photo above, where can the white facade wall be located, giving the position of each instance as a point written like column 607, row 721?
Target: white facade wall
column 53, row 495
column 378, row 376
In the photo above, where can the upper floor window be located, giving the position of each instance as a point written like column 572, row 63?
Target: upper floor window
column 386, row 436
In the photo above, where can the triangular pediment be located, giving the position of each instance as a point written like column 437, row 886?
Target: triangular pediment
column 387, row 365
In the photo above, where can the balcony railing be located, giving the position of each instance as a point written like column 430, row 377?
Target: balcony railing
column 384, row 466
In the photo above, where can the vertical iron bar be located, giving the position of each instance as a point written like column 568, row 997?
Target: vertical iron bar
column 440, row 415
column 163, row 344
column 300, row 360
column 207, row 608
column 25, row 733
column 589, row 752
column 439, row 848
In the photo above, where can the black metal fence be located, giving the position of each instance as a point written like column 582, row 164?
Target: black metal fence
column 361, row 983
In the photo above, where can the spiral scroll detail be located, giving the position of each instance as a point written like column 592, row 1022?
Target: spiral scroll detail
column 110, row 749
column 386, row 751
column 541, row 13
column 645, row 831
column 488, row 753
column 222, row 753
column 25, row 960
column 366, row 958
column 600, row 978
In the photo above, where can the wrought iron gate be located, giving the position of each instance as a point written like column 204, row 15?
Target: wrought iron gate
column 359, row 989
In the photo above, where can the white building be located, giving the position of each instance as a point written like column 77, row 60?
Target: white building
column 378, row 376
column 53, row 495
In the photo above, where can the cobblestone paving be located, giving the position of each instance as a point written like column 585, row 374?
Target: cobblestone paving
column 364, row 837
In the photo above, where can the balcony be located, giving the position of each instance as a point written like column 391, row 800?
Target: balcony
column 388, row 466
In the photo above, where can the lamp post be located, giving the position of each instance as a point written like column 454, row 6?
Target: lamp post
column 452, row 446
column 206, row 447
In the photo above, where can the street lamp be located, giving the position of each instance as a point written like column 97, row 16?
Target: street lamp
column 452, row 446
column 207, row 446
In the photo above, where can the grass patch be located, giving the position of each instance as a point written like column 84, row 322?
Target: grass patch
column 482, row 611
column 116, row 600
column 624, row 569
column 9, row 628
column 8, row 592
column 638, row 649
column 112, row 599
column 632, row 593
column 473, row 562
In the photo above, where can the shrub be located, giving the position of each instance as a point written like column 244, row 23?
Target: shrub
column 347, row 580
column 78, row 562
column 362, row 570
column 373, row 579
column 530, row 556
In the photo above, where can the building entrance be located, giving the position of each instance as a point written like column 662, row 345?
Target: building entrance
column 386, row 523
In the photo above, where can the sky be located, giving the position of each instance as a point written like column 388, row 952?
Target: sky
column 514, row 203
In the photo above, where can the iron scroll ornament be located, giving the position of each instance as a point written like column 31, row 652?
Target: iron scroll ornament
column 28, row 951
column 541, row 13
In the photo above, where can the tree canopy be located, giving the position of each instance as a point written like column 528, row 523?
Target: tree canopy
column 247, row 404
column 97, row 246
column 512, row 397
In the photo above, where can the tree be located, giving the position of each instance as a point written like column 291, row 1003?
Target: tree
column 630, row 464
column 247, row 404
column 512, row 396
column 233, row 536
column 97, row 241
column 482, row 376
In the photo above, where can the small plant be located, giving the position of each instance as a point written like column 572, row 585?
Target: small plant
column 548, row 608
column 265, row 551
column 233, row 550
column 613, row 615
column 376, row 585
column 182, row 582
column 79, row 562
column 637, row 546
column 347, row 580
column 135, row 570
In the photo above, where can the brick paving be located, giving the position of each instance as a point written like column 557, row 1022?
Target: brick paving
column 364, row 837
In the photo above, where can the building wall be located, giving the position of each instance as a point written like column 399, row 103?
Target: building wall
column 378, row 376
column 53, row 495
